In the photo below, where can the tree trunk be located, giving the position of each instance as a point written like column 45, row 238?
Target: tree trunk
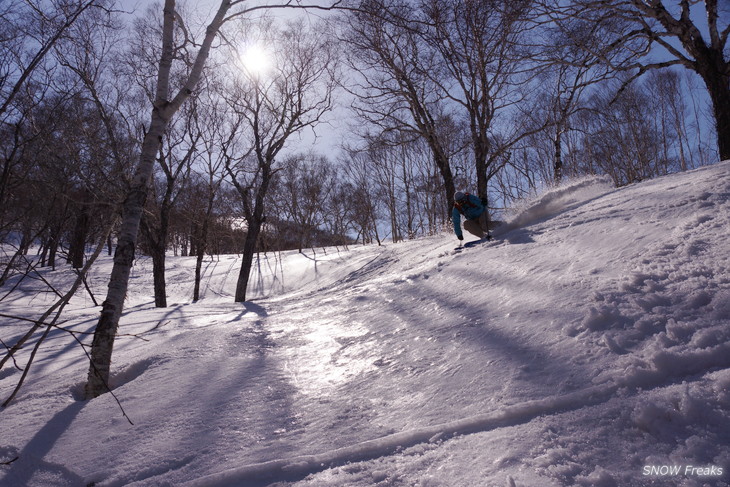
column 158, row 248
column 53, row 241
column 191, row 240
column 158, row 275
column 249, row 249
column 198, row 269
column 43, row 252
column 254, row 219
column 162, row 112
column 445, row 169
column 201, row 246
column 558, row 169
column 719, row 88
column 106, row 330
column 77, row 247
column 482, row 165
column 407, row 194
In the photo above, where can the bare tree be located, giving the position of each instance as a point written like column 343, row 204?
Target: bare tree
column 307, row 183
column 565, row 89
column 163, row 110
column 62, row 183
column 339, row 212
column 168, row 99
column 568, row 76
column 30, row 31
column 477, row 42
column 395, row 87
column 452, row 72
column 176, row 154
column 392, row 167
column 272, row 107
column 623, row 136
column 210, row 177
column 652, row 34
column 166, row 102
column 90, row 57
column 669, row 88
column 361, row 191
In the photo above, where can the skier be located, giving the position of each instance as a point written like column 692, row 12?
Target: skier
column 475, row 215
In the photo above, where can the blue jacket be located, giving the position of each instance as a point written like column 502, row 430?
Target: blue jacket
column 472, row 210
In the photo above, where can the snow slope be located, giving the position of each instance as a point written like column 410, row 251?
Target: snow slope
column 588, row 345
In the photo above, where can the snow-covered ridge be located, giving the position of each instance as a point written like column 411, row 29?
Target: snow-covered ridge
column 589, row 341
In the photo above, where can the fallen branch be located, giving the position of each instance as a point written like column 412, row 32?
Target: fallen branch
column 27, row 367
column 88, row 289
column 57, row 308
column 61, row 303
column 8, row 348
column 9, row 461
column 68, row 330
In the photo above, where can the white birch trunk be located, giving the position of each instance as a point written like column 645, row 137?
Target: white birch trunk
column 162, row 112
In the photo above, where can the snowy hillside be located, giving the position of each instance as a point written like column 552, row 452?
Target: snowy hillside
column 588, row 345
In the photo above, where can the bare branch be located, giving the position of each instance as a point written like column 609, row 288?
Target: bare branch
column 43, row 50
column 57, row 308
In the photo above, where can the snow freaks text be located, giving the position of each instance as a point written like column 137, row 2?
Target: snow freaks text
column 685, row 470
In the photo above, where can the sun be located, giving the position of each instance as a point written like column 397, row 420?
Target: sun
column 256, row 60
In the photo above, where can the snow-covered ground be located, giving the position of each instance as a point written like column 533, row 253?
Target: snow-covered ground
column 588, row 345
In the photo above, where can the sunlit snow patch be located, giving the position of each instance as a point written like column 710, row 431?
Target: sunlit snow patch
column 334, row 353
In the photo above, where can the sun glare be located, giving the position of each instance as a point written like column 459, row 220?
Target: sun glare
column 256, row 60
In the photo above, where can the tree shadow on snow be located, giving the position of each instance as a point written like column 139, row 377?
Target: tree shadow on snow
column 31, row 458
column 259, row 310
column 475, row 329
column 251, row 307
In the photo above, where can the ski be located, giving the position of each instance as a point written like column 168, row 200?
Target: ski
column 473, row 243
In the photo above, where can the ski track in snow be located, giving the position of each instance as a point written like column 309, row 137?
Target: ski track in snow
column 596, row 315
column 295, row 468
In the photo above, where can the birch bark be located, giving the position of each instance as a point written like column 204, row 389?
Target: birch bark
column 162, row 111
